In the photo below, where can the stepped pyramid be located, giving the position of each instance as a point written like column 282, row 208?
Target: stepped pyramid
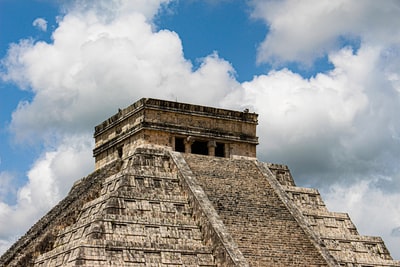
column 180, row 185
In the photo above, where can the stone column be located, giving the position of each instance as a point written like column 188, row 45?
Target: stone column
column 188, row 144
column 228, row 150
column 211, row 147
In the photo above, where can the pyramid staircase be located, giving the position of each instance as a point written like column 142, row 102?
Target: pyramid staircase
column 157, row 207
column 336, row 230
column 265, row 231
column 141, row 218
column 276, row 223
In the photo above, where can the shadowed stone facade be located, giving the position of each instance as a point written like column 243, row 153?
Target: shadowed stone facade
column 179, row 185
column 183, row 127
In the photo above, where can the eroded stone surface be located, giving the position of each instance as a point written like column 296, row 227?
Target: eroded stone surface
column 148, row 205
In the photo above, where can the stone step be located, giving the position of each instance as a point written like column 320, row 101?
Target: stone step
column 282, row 174
column 147, row 212
column 97, row 254
column 358, row 249
column 265, row 231
column 330, row 224
column 305, row 198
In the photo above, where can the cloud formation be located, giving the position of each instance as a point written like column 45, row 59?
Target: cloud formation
column 331, row 117
column 108, row 10
column 7, row 188
column 94, row 67
column 40, row 23
column 336, row 130
column 305, row 30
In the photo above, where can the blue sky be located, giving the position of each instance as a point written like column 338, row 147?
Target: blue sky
column 216, row 25
column 18, row 158
column 324, row 77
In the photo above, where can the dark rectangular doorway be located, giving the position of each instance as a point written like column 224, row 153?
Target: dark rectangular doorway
column 200, row 147
column 179, row 144
column 220, row 150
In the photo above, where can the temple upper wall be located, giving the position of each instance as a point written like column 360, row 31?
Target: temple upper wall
column 183, row 127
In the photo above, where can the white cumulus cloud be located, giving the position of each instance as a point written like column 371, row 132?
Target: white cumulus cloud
column 336, row 125
column 304, row 30
column 94, row 67
column 40, row 23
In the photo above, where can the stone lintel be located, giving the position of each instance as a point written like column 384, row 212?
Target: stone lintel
column 302, row 190
column 326, row 214
column 357, row 238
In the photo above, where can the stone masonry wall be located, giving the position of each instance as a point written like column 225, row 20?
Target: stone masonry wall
column 265, row 231
column 41, row 237
column 137, row 212
column 159, row 118
column 157, row 207
column 333, row 233
column 140, row 218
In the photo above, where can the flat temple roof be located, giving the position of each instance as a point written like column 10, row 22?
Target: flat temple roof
column 152, row 103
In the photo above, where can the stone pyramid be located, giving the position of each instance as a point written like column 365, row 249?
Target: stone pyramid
column 180, row 185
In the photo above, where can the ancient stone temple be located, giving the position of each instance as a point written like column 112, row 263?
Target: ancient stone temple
column 180, row 185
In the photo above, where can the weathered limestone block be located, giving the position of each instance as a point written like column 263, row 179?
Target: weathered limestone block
column 148, row 204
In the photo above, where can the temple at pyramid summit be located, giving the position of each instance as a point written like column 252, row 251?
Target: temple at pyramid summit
column 177, row 184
